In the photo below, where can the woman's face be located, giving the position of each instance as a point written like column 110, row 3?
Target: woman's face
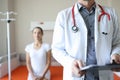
column 37, row 34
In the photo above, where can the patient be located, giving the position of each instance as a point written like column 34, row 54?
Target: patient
column 38, row 57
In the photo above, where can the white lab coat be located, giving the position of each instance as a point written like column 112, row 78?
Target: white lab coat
column 68, row 46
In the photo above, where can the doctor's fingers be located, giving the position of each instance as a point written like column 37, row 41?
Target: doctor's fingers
column 76, row 68
column 116, row 58
column 76, row 72
column 80, row 63
column 77, row 63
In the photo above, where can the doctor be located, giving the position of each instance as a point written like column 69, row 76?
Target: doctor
column 86, row 33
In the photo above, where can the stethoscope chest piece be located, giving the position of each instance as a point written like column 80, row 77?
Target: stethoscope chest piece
column 75, row 29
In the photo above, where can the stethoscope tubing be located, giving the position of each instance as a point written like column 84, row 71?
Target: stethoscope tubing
column 103, row 13
column 75, row 28
column 73, row 16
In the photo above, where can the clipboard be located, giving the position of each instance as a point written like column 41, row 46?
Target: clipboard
column 111, row 66
column 101, row 67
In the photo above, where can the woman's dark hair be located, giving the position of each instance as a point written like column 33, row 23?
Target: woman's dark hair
column 39, row 29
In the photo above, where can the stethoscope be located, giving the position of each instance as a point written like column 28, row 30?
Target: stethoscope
column 75, row 28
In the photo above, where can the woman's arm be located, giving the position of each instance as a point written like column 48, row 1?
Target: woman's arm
column 48, row 62
column 29, row 67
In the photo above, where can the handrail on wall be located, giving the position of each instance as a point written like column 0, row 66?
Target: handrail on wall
column 14, row 54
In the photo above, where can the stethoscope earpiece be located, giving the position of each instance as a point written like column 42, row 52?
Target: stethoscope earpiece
column 75, row 29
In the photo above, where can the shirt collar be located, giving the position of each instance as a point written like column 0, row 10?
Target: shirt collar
column 81, row 7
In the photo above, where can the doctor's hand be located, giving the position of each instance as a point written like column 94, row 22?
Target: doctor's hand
column 76, row 65
column 115, row 58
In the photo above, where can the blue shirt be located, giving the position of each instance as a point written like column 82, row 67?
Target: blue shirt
column 89, row 19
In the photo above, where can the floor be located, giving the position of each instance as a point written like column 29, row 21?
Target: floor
column 21, row 72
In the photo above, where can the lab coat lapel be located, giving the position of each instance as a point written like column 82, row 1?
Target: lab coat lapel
column 82, row 30
column 96, row 29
